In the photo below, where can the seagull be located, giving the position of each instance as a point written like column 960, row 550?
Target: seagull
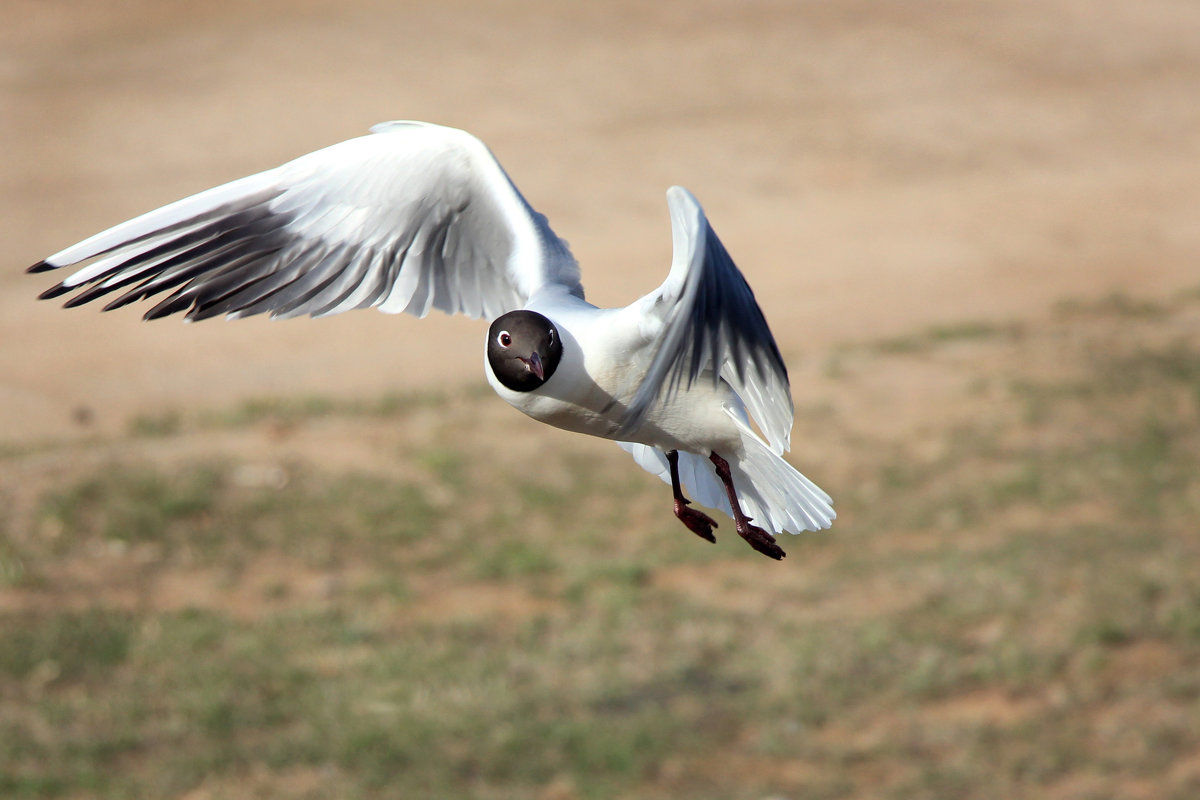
column 416, row 216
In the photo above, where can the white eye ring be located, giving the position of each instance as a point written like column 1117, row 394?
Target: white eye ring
column 504, row 339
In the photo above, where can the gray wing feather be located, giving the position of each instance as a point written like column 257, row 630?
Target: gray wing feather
column 411, row 218
column 710, row 327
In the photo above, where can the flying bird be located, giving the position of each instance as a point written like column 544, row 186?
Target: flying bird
column 414, row 217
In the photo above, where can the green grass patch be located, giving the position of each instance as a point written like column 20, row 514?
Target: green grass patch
column 938, row 335
column 132, row 505
column 1116, row 304
column 63, row 647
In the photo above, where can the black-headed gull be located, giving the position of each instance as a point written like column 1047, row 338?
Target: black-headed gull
column 417, row 216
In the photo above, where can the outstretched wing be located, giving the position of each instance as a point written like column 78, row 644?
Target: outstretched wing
column 411, row 217
column 707, row 323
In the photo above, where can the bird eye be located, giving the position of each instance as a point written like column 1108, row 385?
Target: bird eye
column 504, row 339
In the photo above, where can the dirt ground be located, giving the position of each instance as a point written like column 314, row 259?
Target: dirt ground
column 874, row 167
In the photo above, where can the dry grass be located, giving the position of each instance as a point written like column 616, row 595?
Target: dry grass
column 385, row 599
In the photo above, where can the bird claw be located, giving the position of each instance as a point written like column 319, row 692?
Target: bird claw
column 697, row 522
column 760, row 540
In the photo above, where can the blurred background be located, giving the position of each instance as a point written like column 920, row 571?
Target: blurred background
column 294, row 559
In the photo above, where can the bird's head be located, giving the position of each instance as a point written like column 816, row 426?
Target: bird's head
column 523, row 350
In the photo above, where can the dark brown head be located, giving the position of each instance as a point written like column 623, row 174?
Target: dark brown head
column 523, row 350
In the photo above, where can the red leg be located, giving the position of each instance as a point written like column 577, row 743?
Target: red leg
column 755, row 536
column 697, row 522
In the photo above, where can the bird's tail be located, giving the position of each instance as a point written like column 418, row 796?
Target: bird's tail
column 774, row 494
column 770, row 490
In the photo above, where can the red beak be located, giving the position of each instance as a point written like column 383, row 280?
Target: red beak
column 534, row 364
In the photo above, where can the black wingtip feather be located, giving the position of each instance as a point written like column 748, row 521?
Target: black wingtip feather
column 42, row 266
column 124, row 300
column 57, row 290
column 173, row 304
column 76, row 301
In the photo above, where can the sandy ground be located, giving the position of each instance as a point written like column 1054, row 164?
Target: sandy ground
column 874, row 167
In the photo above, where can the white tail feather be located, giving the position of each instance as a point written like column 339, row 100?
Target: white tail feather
column 770, row 490
column 775, row 495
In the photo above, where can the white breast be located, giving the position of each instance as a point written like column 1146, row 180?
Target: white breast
column 604, row 359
